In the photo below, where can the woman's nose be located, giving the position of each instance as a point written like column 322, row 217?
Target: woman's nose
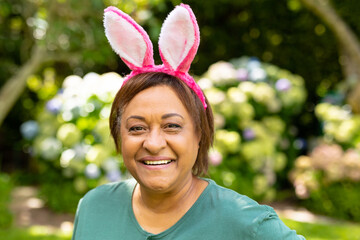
column 154, row 141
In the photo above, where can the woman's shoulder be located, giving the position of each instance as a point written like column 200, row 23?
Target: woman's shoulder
column 234, row 205
column 110, row 191
column 255, row 219
column 228, row 197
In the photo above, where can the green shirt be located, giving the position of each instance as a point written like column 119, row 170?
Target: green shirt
column 105, row 213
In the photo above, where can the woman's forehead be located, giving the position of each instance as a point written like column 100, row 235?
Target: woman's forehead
column 160, row 99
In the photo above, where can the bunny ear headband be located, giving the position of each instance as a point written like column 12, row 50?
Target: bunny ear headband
column 178, row 43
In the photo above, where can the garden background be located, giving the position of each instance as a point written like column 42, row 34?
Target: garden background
column 283, row 78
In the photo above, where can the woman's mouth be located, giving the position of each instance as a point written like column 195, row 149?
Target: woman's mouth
column 160, row 162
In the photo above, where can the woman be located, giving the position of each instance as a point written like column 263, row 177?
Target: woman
column 163, row 126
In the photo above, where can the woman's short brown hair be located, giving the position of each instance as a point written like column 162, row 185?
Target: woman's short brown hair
column 202, row 118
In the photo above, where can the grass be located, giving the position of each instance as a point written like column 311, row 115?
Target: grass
column 312, row 231
column 34, row 233
column 328, row 231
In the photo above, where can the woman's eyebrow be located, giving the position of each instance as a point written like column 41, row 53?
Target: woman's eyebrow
column 136, row 117
column 171, row 115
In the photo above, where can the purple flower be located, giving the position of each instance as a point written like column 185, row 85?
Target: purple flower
column 283, row 84
column 249, row 134
column 242, row 74
column 114, row 175
column 54, row 105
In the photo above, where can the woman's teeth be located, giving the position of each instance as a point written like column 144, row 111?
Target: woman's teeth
column 157, row 162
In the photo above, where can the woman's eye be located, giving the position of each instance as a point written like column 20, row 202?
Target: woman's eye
column 173, row 126
column 136, row 129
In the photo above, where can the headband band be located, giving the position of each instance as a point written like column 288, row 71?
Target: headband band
column 178, row 43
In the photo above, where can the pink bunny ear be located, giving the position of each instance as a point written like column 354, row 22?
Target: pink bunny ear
column 179, row 39
column 128, row 39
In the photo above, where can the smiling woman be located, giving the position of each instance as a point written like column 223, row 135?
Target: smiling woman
column 154, row 130
column 202, row 119
column 160, row 147
column 162, row 124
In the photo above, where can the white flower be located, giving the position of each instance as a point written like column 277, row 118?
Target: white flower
column 205, row 83
column 247, row 87
column 110, row 164
column 108, row 85
column 222, row 72
column 257, row 74
column 72, row 81
column 236, row 95
column 215, row 96
column 97, row 154
column 69, row 134
column 263, row 93
column 92, row 171
column 50, row 148
column 66, row 157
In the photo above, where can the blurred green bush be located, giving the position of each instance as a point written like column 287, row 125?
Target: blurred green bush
column 254, row 104
column 328, row 178
column 70, row 139
column 6, row 186
column 255, row 141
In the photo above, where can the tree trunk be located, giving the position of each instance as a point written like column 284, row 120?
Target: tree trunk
column 14, row 86
column 354, row 98
column 352, row 84
column 348, row 42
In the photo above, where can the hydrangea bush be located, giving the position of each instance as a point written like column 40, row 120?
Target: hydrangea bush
column 254, row 106
column 71, row 136
column 253, row 103
column 328, row 178
column 339, row 124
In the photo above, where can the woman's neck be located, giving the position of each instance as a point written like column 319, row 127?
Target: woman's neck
column 168, row 201
column 156, row 212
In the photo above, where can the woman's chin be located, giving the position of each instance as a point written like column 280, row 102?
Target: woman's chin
column 157, row 184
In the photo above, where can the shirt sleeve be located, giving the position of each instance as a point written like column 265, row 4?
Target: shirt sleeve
column 271, row 227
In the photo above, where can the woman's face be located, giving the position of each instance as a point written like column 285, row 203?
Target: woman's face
column 158, row 140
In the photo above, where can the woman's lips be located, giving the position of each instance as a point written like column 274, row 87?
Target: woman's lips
column 159, row 160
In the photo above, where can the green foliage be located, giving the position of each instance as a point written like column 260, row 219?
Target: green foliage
column 321, row 231
column 70, row 139
column 329, row 177
column 72, row 35
column 328, row 181
column 284, row 34
column 340, row 200
column 255, row 142
column 59, row 193
column 340, row 125
column 33, row 233
column 6, row 186
column 288, row 36
column 253, row 103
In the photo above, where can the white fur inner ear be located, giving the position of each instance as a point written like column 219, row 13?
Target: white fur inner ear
column 177, row 36
column 125, row 39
